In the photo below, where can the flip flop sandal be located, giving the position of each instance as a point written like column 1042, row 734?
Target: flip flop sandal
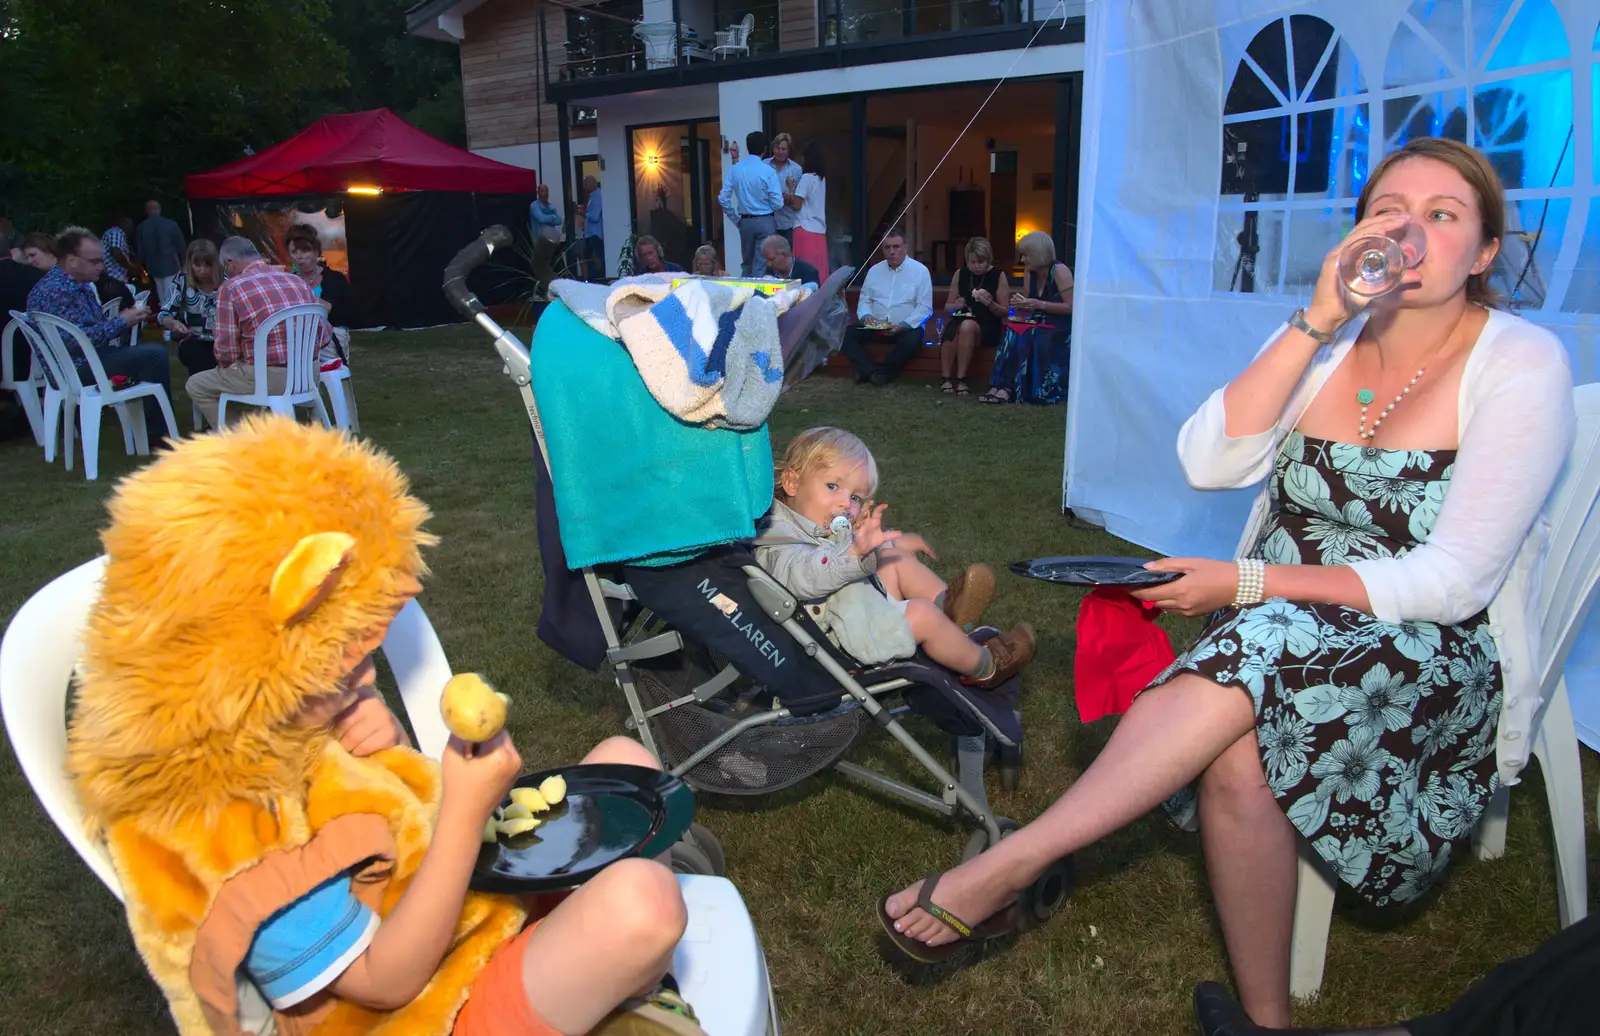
column 993, row 398
column 1005, row 922
column 947, row 386
column 962, row 388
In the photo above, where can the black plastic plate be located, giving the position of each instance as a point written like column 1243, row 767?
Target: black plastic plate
column 1093, row 571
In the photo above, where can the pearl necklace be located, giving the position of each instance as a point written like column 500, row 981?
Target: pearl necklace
column 1365, row 398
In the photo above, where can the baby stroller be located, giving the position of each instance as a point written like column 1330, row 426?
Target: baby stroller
column 726, row 675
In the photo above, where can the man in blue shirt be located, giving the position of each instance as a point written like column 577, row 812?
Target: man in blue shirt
column 594, row 235
column 67, row 291
column 751, row 196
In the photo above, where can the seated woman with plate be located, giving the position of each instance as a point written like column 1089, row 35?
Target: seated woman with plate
column 1031, row 364
column 976, row 305
column 1368, row 679
column 190, row 312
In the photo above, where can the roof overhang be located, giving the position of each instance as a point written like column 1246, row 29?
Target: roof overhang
column 441, row 19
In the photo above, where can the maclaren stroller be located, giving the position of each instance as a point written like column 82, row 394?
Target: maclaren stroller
column 727, row 677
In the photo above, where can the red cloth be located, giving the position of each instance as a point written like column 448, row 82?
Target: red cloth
column 1120, row 650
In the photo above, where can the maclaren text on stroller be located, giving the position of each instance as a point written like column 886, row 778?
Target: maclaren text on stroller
column 727, row 678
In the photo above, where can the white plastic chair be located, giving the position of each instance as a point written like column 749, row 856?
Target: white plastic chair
column 300, row 324
column 735, row 39
column 112, row 307
column 342, row 396
column 1570, row 571
column 29, row 390
column 78, row 401
column 719, row 964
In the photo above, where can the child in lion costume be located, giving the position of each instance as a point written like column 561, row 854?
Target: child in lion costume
column 290, row 864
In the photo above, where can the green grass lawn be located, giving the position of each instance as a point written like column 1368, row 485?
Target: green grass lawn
column 982, row 483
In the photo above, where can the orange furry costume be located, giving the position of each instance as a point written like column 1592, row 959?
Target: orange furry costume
column 211, row 633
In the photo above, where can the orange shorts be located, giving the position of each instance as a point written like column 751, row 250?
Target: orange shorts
column 498, row 1004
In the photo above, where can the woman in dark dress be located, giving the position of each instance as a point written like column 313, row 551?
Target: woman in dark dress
column 330, row 287
column 1370, row 673
column 1031, row 365
column 975, row 306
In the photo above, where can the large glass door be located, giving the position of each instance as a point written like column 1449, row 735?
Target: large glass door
column 675, row 181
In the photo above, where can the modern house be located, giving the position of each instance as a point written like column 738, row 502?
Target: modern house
column 905, row 98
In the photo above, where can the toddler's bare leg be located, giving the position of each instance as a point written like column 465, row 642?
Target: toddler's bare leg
column 944, row 641
column 906, row 578
column 610, row 940
column 623, row 751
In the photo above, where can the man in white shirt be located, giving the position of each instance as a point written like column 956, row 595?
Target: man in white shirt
column 751, row 196
column 897, row 292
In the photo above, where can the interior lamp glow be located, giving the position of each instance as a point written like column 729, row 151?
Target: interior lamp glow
column 652, row 159
column 364, row 189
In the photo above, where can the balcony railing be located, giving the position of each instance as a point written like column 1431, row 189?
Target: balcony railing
column 614, row 37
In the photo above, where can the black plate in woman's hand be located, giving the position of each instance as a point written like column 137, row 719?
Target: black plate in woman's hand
column 1093, row 571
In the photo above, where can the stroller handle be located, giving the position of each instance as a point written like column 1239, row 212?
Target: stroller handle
column 468, row 259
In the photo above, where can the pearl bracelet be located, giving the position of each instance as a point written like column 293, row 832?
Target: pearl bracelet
column 1252, row 582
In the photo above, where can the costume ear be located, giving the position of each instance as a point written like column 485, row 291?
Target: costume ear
column 307, row 575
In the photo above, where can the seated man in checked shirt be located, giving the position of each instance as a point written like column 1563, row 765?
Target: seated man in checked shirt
column 253, row 292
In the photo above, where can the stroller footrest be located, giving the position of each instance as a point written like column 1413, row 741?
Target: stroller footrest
column 651, row 647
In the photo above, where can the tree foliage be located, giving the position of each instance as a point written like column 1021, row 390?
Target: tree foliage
column 109, row 103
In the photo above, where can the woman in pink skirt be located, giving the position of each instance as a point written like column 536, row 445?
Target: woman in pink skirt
column 810, row 200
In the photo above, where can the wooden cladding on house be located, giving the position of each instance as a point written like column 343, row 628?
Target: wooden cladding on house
column 797, row 24
column 501, row 77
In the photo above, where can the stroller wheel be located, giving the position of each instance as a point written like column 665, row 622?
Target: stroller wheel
column 701, row 838
column 688, row 859
column 1044, row 897
column 1010, row 767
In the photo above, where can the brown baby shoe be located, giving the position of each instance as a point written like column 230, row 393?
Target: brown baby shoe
column 1011, row 651
column 969, row 595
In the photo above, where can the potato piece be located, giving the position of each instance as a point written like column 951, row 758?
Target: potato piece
column 531, row 798
column 472, row 709
column 519, row 825
column 491, row 830
column 516, row 811
column 553, row 789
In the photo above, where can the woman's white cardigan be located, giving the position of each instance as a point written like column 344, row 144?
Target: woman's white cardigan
column 1487, row 546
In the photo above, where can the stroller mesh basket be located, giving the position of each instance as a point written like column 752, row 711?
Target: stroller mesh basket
column 756, row 761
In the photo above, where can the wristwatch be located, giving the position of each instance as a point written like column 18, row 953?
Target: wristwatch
column 1298, row 322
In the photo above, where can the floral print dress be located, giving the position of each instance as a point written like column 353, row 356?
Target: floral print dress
column 1377, row 739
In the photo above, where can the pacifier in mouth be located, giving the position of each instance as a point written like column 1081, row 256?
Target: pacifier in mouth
column 840, row 523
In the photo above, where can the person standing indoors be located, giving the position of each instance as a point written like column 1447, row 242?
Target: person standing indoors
column 750, row 196
column 809, row 203
column 897, row 299
column 1369, row 675
column 252, row 293
column 158, row 244
column 67, row 291
column 190, row 315
column 788, row 172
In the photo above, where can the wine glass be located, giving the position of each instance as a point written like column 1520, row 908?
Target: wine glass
column 1374, row 263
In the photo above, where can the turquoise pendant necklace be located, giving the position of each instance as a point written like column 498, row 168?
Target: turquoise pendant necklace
column 1365, row 398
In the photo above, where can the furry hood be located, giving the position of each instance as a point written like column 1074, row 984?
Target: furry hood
column 188, row 684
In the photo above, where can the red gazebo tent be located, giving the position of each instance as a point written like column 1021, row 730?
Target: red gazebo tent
column 362, row 149
column 407, row 201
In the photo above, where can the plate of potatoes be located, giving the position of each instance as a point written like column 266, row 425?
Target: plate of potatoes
column 558, row 828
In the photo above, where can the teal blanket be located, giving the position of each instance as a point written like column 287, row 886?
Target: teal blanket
column 632, row 482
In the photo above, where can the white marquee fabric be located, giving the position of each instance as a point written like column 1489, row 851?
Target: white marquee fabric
column 1320, row 89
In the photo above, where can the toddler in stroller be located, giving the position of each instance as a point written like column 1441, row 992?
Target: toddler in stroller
column 646, row 524
column 824, row 540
